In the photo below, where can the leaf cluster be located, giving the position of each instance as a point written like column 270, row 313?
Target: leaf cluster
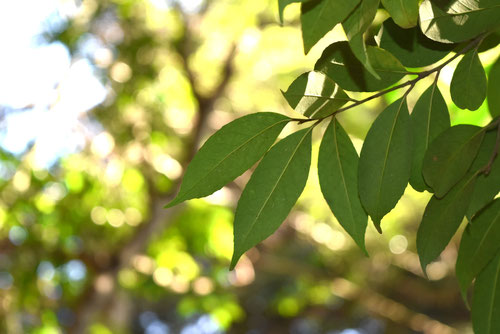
column 405, row 145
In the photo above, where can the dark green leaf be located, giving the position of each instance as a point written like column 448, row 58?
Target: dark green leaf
column 494, row 89
column 487, row 185
column 337, row 171
column 315, row 95
column 228, row 153
column 319, row 17
column 486, row 299
column 403, row 12
column 441, row 219
column 282, row 5
column 339, row 63
column 385, row 161
column 429, row 118
column 479, row 244
column 452, row 21
column 449, row 157
column 355, row 25
column 410, row 46
column 468, row 86
column 272, row 191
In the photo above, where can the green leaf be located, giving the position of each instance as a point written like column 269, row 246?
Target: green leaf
column 228, row 153
column 403, row 12
column 494, row 89
column 385, row 161
column 315, row 95
column 339, row 63
column 468, row 85
column 410, row 46
column 429, row 118
column 449, row 157
column 441, row 219
column 282, row 5
column 479, row 244
column 486, row 299
column 487, row 185
column 320, row 16
column 337, row 171
column 355, row 25
column 271, row 192
column 452, row 21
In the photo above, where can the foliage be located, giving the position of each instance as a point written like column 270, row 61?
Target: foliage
column 422, row 149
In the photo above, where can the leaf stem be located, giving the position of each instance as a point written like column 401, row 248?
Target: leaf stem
column 487, row 169
column 420, row 75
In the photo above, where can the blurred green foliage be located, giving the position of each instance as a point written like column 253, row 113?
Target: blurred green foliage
column 86, row 247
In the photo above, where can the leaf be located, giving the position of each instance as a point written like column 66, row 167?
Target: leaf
column 337, row 171
column 486, row 299
column 410, row 46
column 494, row 89
column 228, row 153
column 319, row 17
column 487, row 185
column 479, row 245
column 271, row 192
column 441, row 219
column 385, row 161
column 355, row 25
column 449, row 157
column 315, row 95
column 403, row 12
column 452, row 21
column 468, row 85
column 429, row 118
column 282, row 5
column 339, row 63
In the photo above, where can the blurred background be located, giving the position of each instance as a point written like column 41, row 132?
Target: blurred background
column 102, row 105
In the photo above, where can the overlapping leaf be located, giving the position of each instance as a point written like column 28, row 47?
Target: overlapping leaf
column 452, row 21
column 479, row 244
column 410, row 46
column 403, row 12
column 315, row 95
column 449, row 157
column 493, row 92
column 441, row 219
column 228, row 153
column 319, row 17
column 385, row 161
column 337, row 171
column 468, row 86
column 429, row 119
column 486, row 300
column 271, row 192
column 339, row 63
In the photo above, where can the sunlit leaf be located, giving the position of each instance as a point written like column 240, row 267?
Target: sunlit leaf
column 385, row 161
column 410, row 46
column 494, row 89
column 441, row 219
column 282, row 5
column 339, row 63
column 468, row 86
column 271, row 192
column 449, row 157
column 403, row 12
column 228, row 153
column 318, row 17
column 428, row 119
column 337, row 171
column 315, row 95
column 451, row 21
column 486, row 299
column 479, row 244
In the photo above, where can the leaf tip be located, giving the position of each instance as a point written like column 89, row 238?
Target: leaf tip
column 234, row 261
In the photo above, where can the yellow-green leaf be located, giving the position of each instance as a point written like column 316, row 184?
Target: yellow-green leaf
column 403, row 12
